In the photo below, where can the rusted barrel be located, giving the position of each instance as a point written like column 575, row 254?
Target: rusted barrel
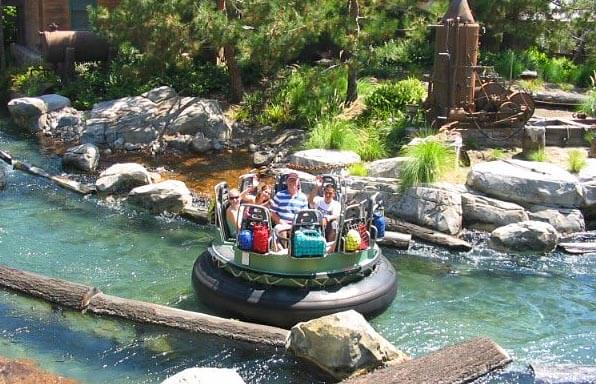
column 87, row 45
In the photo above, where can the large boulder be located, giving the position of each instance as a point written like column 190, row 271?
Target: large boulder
column 386, row 167
column 196, row 115
column 527, row 182
column 527, row 236
column 342, row 344
column 324, row 159
column 564, row 220
column 205, row 376
column 167, row 196
column 30, row 113
column 84, row 157
column 432, row 207
column 487, row 214
column 159, row 94
column 123, row 177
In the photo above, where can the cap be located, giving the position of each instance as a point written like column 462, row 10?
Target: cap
column 292, row 175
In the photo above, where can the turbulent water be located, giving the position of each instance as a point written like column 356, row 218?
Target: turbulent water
column 540, row 309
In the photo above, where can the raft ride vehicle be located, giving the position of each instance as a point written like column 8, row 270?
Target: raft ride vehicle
column 244, row 277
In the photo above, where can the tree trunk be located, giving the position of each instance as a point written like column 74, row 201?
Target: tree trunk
column 354, row 15
column 2, row 53
column 352, row 92
column 229, row 53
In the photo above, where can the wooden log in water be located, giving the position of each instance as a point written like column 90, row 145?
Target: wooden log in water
column 191, row 321
column 72, row 295
column 578, row 248
column 60, row 181
column 4, row 156
column 395, row 240
column 451, row 242
column 460, row 363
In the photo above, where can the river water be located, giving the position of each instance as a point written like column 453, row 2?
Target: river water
column 542, row 310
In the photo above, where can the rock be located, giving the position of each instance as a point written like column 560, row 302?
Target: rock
column 261, row 158
column 200, row 115
column 205, row 376
column 84, row 157
column 26, row 371
column 180, row 143
column 168, row 196
column 252, row 148
column 488, row 214
column 288, row 138
column 200, row 144
column 432, row 208
column 122, row 177
column 563, row 220
column 530, row 236
column 28, row 113
column 527, row 182
column 342, row 344
column 386, row 167
column 564, row 373
column 55, row 102
column 324, row 159
column 157, row 95
column 2, row 177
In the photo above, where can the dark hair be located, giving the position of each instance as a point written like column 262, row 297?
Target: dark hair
column 329, row 186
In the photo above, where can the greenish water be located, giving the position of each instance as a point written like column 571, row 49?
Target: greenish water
column 540, row 309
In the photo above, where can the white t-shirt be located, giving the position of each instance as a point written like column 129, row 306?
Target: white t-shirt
column 331, row 209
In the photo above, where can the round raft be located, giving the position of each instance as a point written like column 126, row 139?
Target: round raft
column 284, row 306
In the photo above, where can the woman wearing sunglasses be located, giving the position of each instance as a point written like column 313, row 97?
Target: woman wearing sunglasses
column 232, row 219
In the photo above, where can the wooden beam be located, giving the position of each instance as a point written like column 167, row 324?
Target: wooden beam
column 451, row 242
column 395, row 240
column 61, row 181
column 459, row 363
column 578, row 248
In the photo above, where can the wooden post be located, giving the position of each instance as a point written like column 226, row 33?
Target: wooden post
column 69, row 61
column 533, row 140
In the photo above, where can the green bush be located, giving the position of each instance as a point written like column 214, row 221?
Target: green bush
column 372, row 145
column 429, row 159
column 358, row 169
column 539, row 155
column 496, row 154
column 589, row 105
column 577, row 160
column 389, row 99
column 34, row 81
column 333, row 134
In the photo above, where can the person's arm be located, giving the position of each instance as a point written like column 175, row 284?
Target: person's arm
column 246, row 197
column 274, row 216
column 231, row 218
column 313, row 192
column 335, row 211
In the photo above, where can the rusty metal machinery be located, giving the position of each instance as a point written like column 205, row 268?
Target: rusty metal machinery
column 459, row 95
column 87, row 46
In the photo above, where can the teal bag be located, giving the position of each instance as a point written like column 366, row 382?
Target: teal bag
column 309, row 243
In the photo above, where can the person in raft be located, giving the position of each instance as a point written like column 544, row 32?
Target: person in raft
column 232, row 219
column 329, row 207
column 285, row 205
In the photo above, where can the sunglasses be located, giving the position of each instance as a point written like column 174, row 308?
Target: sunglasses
column 234, row 197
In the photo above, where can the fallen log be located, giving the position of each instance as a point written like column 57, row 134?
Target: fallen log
column 60, row 181
column 451, row 242
column 578, row 248
column 191, row 321
column 4, row 156
column 395, row 240
column 84, row 298
column 72, row 295
column 459, row 363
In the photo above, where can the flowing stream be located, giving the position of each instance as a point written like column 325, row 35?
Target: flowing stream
column 542, row 310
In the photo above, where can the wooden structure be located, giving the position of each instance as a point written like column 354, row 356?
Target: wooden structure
column 34, row 16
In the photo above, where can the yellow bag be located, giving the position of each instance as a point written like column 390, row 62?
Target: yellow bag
column 352, row 240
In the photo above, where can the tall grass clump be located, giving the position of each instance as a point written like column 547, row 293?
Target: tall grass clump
column 372, row 145
column 429, row 160
column 358, row 169
column 333, row 134
column 577, row 160
column 539, row 155
column 391, row 99
column 589, row 105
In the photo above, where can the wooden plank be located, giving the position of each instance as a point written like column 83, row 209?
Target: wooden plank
column 578, row 248
column 57, row 291
column 460, row 363
column 451, row 242
column 191, row 321
column 395, row 240
column 60, row 181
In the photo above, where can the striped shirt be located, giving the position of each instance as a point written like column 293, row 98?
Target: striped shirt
column 286, row 206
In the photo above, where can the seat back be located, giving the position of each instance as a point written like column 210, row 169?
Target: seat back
column 222, row 203
column 353, row 217
column 281, row 182
column 247, row 181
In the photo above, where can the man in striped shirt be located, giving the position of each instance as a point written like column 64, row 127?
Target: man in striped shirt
column 286, row 204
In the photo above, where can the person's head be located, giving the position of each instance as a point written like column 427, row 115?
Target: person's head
column 263, row 193
column 329, row 193
column 293, row 182
column 234, row 197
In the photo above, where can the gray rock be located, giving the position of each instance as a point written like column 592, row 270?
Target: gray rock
column 261, row 158
column 3, row 177
column 527, row 236
column 252, row 148
column 433, row 208
column 200, row 144
column 123, row 177
column 181, row 142
column 132, row 146
column 563, row 220
column 84, row 157
column 28, row 113
column 55, row 102
column 157, row 95
column 167, row 196
column 386, row 167
column 324, row 158
column 342, row 344
column 527, row 182
column 564, row 373
column 205, row 376
column 200, row 115
column 488, row 214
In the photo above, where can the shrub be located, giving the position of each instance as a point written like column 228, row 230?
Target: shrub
column 333, row 134
column 531, row 85
column 577, row 160
column 429, row 159
column 496, row 154
column 389, row 99
column 589, row 105
column 34, row 81
column 358, row 169
column 372, row 145
column 539, row 155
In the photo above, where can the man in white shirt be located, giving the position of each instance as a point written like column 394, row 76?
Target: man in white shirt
column 327, row 205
